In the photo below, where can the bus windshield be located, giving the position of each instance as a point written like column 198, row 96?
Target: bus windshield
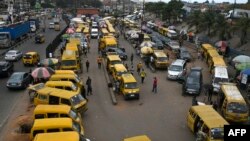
column 68, row 63
column 237, row 107
column 217, row 133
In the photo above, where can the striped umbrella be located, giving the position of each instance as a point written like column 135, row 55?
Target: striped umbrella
column 49, row 62
column 42, row 72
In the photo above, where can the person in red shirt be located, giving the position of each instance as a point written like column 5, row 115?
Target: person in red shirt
column 154, row 85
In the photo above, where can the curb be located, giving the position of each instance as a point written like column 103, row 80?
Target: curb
column 111, row 92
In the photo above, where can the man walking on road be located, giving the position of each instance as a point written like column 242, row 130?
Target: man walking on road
column 99, row 62
column 143, row 75
column 89, row 87
column 154, row 85
column 132, row 58
column 87, row 65
column 139, row 67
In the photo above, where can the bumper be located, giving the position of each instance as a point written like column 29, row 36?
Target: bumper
column 132, row 96
column 10, row 58
column 192, row 92
column 14, row 87
column 172, row 77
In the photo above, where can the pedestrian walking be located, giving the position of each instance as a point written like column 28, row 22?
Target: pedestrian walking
column 117, row 86
column 210, row 93
column 87, row 65
column 89, row 87
column 132, row 70
column 199, row 55
column 180, row 41
column 132, row 58
column 194, row 101
column 151, row 60
column 99, row 61
column 85, row 51
column 143, row 75
column 154, row 85
column 126, row 66
column 139, row 67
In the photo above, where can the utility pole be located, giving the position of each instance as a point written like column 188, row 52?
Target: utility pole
column 142, row 18
column 123, row 14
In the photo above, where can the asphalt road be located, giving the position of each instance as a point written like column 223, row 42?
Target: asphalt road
column 161, row 116
column 8, row 98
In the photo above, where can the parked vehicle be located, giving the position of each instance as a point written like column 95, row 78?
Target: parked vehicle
column 129, row 87
column 6, row 68
column 238, row 13
column 34, row 24
column 13, row 33
column 94, row 33
column 51, row 25
column 204, row 118
column 48, row 125
column 31, row 58
column 119, row 51
column 193, row 82
column 19, row 80
column 232, row 104
column 174, row 45
column 177, row 69
column 138, row 138
column 172, row 34
column 40, row 38
column 13, row 55
column 62, row 136
column 184, row 54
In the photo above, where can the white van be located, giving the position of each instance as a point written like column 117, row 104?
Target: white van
column 176, row 69
column 94, row 25
column 220, row 75
column 94, row 33
column 172, row 34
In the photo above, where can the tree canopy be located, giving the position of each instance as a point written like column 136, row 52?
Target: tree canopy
column 166, row 11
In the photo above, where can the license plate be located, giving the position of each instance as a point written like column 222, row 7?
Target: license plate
column 132, row 95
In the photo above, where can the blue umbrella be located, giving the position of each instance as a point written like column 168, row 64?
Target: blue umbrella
column 246, row 71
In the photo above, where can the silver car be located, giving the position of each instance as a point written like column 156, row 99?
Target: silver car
column 13, row 55
column 173, row 45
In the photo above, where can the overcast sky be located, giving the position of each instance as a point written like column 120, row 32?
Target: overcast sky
column 216, row 1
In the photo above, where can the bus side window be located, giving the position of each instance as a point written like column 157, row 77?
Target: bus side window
column 67, row 129
column 64, row 115
column 53, row 130
column 53, row 100
column 52, row 115
column 42, row 97
column 39, row 116
column 65, row 101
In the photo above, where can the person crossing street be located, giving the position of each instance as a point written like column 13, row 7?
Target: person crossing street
column 99, row 62
column 87, row 65
column 139, row 67
column 89, row 87
column 143, row 75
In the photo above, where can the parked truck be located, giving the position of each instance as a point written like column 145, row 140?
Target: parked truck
column 10, row 34
column 34, row 24
column 238, row 13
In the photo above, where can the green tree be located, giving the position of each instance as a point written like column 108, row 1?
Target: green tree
column 207, row 20
column 175, row 7
column 222, row 27
column 244, row 26
column 194, row 19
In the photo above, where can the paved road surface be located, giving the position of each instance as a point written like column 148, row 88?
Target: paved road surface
column 9, row 98
column 161, row 116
